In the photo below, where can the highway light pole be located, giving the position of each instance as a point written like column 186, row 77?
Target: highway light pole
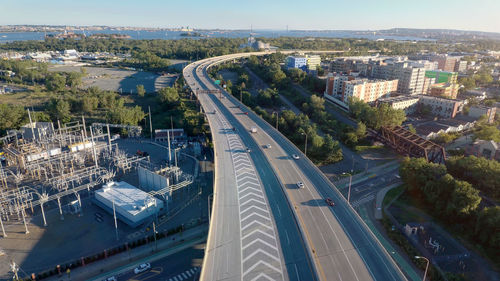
column 277, row 118
column 349, row 192
column 305, row 145
column 426, row 267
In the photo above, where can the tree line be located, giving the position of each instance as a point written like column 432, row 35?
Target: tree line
column 455, row 201
column 321, row 150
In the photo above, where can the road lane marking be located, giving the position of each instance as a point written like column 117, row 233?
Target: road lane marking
column 263, row 258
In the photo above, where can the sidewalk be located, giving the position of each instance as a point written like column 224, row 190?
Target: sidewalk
column 380, row 198
column 398, row 258
column 127, row 260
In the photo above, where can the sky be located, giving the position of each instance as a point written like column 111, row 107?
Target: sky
column 480, row 15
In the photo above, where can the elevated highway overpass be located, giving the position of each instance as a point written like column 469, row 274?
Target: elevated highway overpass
column 263, row 227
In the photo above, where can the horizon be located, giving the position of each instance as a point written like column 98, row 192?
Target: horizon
column 245, row 29
column 276, row 15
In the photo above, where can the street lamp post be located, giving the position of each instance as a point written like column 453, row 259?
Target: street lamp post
column 305, row 145
column 349, row 192
column 277, row 118
column 426, row 267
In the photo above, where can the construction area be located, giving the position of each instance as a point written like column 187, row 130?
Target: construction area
column 73, row 190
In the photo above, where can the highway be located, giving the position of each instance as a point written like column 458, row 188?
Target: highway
column 251, row 218
column 338, row 245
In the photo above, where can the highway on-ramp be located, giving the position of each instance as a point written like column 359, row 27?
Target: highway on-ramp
column 335, row 244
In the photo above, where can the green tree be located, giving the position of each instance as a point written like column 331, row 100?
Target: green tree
column 59, row 109
column 169, row 95
column 481, row 172
column 140, row 90
column 412, row 129
column 320, row 70
column 487, row 132
column 445, row 138
column 11, row 117
column 487, row 228
column 55, row 82
column 74, row 79
column 126, row 115
column 361, row 130
column 89, row 104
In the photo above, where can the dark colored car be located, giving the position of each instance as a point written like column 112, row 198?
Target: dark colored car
column 329, row 202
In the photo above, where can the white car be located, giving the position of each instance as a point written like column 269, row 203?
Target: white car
column 141, row 268
column 249, row 150
column 268, row 145
column 112, row 278
column 300, row 184
column 295, row 156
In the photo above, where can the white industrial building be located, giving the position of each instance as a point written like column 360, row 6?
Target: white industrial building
column 132, row 205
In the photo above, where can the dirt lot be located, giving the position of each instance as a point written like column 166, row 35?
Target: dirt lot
column 114, row 79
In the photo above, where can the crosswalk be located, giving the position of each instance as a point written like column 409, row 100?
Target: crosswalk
column 363, row 200
column 189, row 274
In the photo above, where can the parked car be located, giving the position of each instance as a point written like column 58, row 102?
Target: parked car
column 249, row 150
column 295, row 156
column 300, row 184
column 112, row 278
column 268, row 145
column 142, row 267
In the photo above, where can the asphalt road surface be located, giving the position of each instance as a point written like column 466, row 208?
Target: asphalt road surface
column 182, row 266
column 340, row 244
column 255, row 228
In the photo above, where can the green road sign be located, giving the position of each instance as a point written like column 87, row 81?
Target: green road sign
column 217, row 82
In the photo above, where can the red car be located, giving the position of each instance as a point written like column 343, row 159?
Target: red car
column 246, row 113
column 329, row 202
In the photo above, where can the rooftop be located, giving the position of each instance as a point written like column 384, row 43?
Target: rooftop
column 127, row 197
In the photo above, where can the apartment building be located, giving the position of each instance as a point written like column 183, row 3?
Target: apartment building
column 408, row 103
column 340, row 87
column 442, row 76
column 368, row 90
column 296, row 62
column 446, row 90
column 442, row 107
column 478, row 111
column 411, row 79
column 312, row 62
column 428, row 82
column 307, row 62
column 334, row 83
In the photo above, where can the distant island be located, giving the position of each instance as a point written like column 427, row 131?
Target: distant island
column 435, row 34
column 72, row 35
column 191, row 34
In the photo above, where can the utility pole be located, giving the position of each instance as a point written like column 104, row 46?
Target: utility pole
column 305, row 145
column 150, row 124
column 169, row 153
column 14, row 268
column 116, row 223
column 154, row 233
column 277, row 118
column 3, row 229
column 31, row 125
column 349, row 192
